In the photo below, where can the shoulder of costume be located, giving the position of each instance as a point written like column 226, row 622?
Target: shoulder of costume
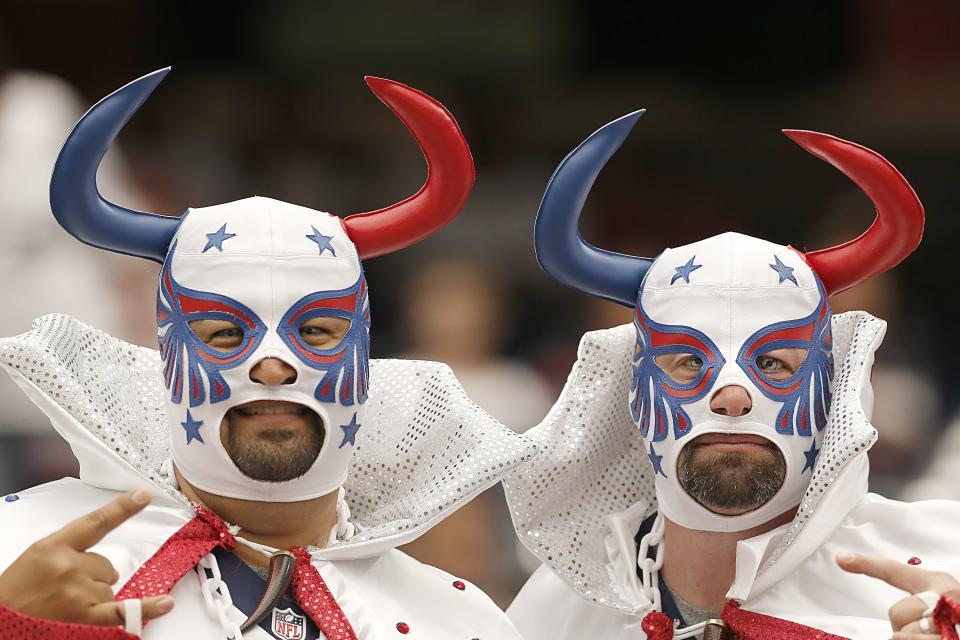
column 454, row 603
column 106, row 398
column 29, row 515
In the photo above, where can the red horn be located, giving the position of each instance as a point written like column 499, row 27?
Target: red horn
column 895, row 232
column 450, row 175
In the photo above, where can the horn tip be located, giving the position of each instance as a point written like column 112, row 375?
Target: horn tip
column 145, row 85
column 806, row 138
column 377, row 83
column 624, row 124
column 383, row 88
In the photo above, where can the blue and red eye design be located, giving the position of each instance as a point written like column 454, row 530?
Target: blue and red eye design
column 346, row 366
column 806, row 394
column 656, row 400
column 177, row 306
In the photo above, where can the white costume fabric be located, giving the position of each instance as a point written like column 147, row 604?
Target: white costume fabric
column 426, row 450
column 578, row 505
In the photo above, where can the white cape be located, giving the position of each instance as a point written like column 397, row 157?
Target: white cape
column 424, row 451
column 580, row 502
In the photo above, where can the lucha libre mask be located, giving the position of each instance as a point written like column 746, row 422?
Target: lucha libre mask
column 719, row 306
column 267, row 267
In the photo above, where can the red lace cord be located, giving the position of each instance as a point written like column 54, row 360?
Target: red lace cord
column 947, row 616
column 741, row 625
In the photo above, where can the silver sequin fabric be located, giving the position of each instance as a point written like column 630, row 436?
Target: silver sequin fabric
column 425, row 448
column 592, row 462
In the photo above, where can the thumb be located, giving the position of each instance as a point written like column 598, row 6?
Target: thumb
column 156, row 606
column 111, row 614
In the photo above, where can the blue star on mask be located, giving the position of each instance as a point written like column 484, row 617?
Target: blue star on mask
column 324, row 242
column 811, row 456
column 785, row 272
column 192, row 427
column 217, row 238
column 684, row 270
column 350, row 432
column 656, row 461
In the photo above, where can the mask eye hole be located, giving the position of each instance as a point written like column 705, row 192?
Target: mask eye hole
column 681, row 367
column 221, row 335
column 324, row 332
column 780, row 364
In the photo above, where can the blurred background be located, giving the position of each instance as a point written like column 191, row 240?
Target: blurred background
column 268, row 99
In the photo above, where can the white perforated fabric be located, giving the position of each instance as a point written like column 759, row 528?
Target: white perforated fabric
column 423, row 450
column 592, row 464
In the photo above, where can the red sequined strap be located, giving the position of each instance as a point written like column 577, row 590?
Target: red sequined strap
column 747, row 625
column 741, row 625
column 947, row 616
column 178, row 555
column 315, row 598
column 19, row 626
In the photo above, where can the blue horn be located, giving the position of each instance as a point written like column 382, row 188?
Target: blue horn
column 561, row 250
column 74, row 198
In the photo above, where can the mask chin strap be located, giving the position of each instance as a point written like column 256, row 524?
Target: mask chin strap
column 650, row 579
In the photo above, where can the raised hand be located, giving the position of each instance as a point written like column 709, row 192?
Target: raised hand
column 56, row 578
column 906, row 614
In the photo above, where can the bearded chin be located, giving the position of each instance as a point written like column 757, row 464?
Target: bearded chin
column 273, row 459
column 731, row 482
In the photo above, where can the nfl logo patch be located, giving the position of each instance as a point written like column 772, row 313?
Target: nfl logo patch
column 289, row 625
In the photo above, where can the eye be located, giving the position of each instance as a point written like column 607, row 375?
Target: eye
column 768, row 364
column 324, row 332
column 780, row 364
column 681, row 367
column 221, row 335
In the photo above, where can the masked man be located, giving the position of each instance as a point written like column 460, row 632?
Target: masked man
column 283, row 466
column 710, row 462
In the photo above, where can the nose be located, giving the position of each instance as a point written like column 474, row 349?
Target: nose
column 732, row 400
column 273, row 372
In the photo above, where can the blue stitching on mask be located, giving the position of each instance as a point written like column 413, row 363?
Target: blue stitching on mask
column 816, row 372
column 346, row 365
column 648, row 412
column 200, row 357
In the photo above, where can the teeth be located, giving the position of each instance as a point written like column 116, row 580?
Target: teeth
column 260, row 411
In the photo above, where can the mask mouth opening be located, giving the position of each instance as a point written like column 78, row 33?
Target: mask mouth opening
column 273, row 440
column 731, row 474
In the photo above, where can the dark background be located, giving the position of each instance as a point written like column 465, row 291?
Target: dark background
column 268, row 99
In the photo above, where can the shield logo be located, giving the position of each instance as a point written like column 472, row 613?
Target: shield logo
column 289, row 625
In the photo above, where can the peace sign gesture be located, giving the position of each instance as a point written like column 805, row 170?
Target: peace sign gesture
column 908, row 617
column 56, row 578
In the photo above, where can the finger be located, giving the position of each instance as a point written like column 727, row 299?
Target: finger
column 110, row 614
column 87, row 530
column 96, row 567
column 896, row 574
column 906, row 611
column 915, row 629
column 99, row 592
column 900, row 635
column 156, row 606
